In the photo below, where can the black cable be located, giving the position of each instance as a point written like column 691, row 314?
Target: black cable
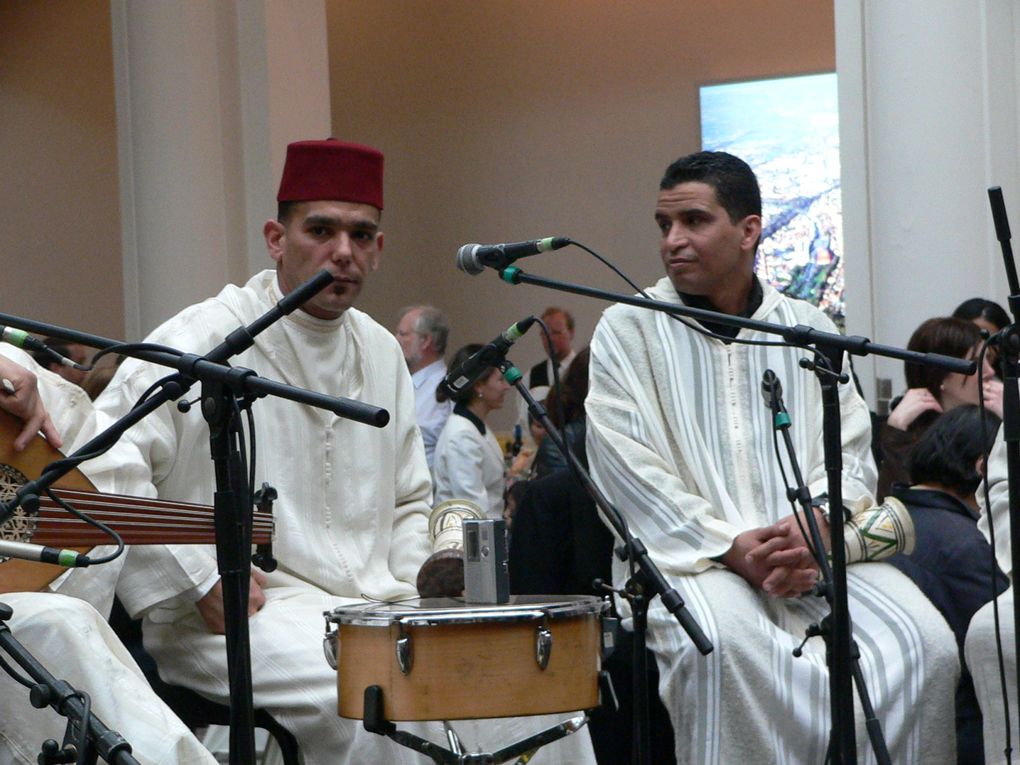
column 689, row 323
column 1000, row 657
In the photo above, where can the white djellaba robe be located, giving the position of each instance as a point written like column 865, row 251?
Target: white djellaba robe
column 68, row 634
column 679, row 438
column 980, row 649
column 351, row 520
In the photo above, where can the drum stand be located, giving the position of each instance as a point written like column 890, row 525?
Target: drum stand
column 523, row 750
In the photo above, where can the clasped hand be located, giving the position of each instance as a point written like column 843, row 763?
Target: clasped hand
column 776, row 558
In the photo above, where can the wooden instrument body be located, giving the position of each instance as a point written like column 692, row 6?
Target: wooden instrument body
column 138, row 520
column 468, row 661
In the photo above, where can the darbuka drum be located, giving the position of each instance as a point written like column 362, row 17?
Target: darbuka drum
column 439, row 659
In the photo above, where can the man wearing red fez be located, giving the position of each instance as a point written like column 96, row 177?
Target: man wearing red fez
column 353, row 500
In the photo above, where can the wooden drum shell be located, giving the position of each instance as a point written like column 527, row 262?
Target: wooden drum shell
column 482, row 667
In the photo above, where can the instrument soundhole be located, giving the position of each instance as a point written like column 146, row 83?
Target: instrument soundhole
column 21, row 526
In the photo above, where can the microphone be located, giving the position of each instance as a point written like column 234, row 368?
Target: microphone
column 473, row 258
column 26, row 551
column 25, row 341
column 772, row 392
column 474, row 366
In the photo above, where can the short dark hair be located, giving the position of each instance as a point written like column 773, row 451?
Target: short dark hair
column 467, row 395
column 556, row 310
column 735, row 184
column 948, row 452
column 944, row 335
column 284, row 210
column 979, row 308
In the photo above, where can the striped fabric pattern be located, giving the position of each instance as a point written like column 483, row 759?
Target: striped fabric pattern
column 680, row 439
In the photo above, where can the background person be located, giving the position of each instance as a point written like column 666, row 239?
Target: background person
column 422, row 332
column 469, row 459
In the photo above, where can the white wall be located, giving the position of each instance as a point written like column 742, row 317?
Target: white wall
column 929, row 122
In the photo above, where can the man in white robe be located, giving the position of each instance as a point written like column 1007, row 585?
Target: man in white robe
column 353, row 500
column 66, row 629
column 680, row 439
column 981, row 652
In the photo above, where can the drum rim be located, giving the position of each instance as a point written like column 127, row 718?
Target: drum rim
column 414, row 613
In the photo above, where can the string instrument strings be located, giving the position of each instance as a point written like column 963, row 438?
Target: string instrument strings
column 138, row 520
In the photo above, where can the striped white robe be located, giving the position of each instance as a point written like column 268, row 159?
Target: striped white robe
column 681, row 441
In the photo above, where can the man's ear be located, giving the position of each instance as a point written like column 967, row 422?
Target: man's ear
column 275, row 235
column 750, row 232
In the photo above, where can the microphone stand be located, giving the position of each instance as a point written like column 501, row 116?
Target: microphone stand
column 225, row 390
column 829, row 348
column 100, row 741
column 644, row 584
column 826, row 628
column 1010, row 350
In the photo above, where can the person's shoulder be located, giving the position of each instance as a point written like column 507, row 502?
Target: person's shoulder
column 620, row 314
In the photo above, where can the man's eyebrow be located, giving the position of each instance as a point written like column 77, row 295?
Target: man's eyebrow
column 364, row 224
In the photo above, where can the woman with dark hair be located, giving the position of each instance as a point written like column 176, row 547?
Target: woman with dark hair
column 932, row 391
column 952, row 561
column 469, row 460
column 567, row 401
column 989, row 316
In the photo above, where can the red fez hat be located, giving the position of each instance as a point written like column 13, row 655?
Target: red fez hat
column 332, row 170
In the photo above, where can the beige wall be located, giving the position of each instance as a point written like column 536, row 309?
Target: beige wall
column 504, row 121
column 500, row 120
column 59, row 221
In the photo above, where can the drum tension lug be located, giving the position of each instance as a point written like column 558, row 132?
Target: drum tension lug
column 375, row 719
column 405, row 651
column 543, row 643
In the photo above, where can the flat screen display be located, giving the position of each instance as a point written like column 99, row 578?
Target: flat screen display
column 787, row 130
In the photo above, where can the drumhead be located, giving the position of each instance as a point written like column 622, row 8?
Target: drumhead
column 425, row 611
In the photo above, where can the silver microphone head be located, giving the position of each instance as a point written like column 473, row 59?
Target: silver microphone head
column 467, row 260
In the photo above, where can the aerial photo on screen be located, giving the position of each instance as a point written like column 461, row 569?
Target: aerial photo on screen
column 787, row 130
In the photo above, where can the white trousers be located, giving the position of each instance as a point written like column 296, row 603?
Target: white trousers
column 293, row 682
column 74, row 643
column 751, row 701
column 982, row 660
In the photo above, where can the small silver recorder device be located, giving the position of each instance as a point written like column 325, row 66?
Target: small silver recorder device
column 486, row 575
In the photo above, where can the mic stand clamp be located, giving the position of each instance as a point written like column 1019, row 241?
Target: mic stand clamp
column 644, row 584
column 82, row 725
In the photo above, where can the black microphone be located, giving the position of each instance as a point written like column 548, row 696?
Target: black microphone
column 473, row 258
column 772, row 392
column 490, row 355
column 23, row 340
column 26, row 551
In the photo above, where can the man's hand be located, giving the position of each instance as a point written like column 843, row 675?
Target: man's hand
column 915, row 402
column 792, row 569
column 19, row 395
column 776, row 558
column 210, row 606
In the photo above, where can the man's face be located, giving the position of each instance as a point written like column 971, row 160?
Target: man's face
column 342, row 237
column 411, row 343
column 562, row 336
column 703, row 251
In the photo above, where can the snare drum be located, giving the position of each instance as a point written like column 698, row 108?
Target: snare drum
column 439, row 659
